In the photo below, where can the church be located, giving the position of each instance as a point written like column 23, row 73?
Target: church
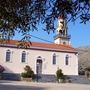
column 44, row 57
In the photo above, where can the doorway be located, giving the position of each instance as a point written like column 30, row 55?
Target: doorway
column 39, row 66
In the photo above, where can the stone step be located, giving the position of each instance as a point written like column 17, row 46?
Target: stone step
column 46, row 78
column 79, row 79
column 11, row 76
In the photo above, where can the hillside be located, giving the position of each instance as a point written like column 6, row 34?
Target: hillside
column 84, row 57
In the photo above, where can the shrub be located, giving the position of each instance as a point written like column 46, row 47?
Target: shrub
column 60, row 75
column 2, row 69
column 82, row 72
column 28, row 72
column 87, row 69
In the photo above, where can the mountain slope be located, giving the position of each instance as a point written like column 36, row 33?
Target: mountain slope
column 84, row 57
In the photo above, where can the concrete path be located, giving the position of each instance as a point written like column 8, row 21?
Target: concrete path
column 20, row 85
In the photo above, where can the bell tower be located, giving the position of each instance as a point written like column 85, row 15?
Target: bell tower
column 62, row 36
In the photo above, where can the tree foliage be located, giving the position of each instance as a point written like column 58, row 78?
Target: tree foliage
column 28, row 72
column 24, row 16
column 59, row 74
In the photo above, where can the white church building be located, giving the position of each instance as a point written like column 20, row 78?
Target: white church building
column 47, row 57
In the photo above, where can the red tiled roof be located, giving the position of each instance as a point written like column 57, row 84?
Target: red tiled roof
column 47, row 46
column 57, row 47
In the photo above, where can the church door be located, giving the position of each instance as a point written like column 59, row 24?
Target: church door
column 39, row 66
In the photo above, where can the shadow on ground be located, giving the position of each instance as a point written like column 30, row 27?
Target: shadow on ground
column 13, row 87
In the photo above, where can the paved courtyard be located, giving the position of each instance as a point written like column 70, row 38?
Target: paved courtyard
column 19, row 85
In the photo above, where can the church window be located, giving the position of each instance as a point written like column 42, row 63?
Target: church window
column 23, row 58
column 66, row 60
column 8, row 55
column 54, row 59
column 64, row 43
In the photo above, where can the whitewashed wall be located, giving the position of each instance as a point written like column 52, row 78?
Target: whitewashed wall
column 16, row 66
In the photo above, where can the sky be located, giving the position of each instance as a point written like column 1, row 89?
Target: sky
column 80, row 34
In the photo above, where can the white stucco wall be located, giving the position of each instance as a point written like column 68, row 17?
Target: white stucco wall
column 62, row 41
column 16, row 66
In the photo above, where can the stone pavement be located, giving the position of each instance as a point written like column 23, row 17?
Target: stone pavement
column 43, row 86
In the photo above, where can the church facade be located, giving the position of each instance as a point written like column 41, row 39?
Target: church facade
column 45, row 58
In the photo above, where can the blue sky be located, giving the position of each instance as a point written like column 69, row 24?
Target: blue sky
column 80, row 34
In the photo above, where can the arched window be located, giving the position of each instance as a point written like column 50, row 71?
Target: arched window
column 54, row 59
column 23, row 58
column 66, row 60
column 8, row 55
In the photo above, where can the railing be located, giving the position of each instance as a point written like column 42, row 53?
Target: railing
column 62, row 36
